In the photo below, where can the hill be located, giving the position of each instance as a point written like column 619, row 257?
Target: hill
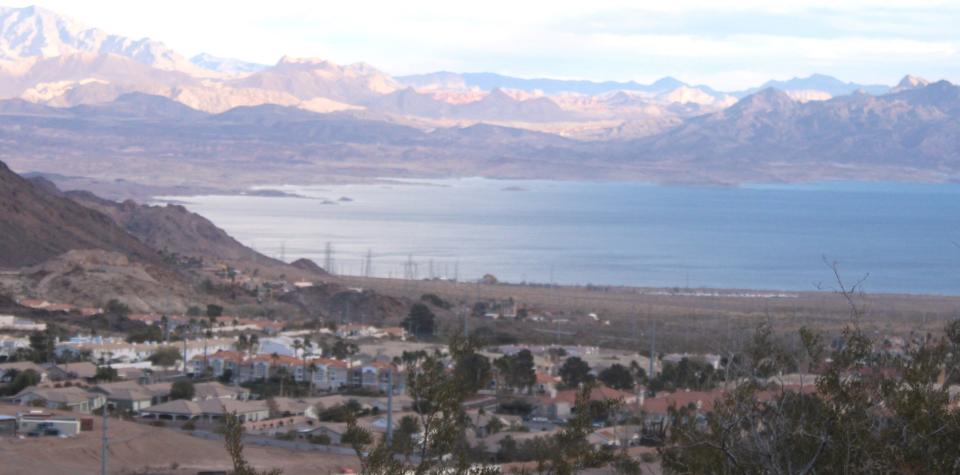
column 36, row 225
column 175, row 231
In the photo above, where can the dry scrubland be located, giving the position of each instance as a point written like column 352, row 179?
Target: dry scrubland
column 711, row 320
column 137, row 448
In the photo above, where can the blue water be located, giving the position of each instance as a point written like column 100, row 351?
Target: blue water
column 757, row 237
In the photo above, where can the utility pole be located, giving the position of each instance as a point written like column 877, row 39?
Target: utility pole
column 390, row 408
column 184, row 353
column 103, row 448
column 653, row 351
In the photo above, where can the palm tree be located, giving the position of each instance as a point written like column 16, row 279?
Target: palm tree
column 165, row 323
column 275, row 357
column 313, row 372
column 254, row 343
column 242, row 344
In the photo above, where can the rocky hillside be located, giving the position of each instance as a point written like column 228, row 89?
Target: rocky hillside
column 173, row 230
column 36, row 225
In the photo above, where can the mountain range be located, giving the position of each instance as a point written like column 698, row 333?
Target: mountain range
column 48, row 58
column 93, row 109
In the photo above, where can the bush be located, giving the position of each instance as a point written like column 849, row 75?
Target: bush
column 289, row 435
column 158, row 423
column 319, row 439
column 189, row 425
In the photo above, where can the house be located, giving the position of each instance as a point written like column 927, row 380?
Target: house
column 118, row 350
column 221, row 362
column 615, row 436
column 377, row 376
column 10, row 322
column 82, row 370
column 286, row 407
column 562, row 405
column 214, row 390
column 333, row 430
column 8, row 425
column 132, row 396
column 40, row 424
column 69, row 398
column 10, row 345
column 329, row 374
column 546, row 384
column 35, row 304
column 209, row 410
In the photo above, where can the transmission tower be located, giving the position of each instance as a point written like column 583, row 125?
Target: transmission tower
column 410, row 269
column 328, row 259
column 368, row 264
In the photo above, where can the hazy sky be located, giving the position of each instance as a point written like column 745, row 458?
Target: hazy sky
column 726, row 44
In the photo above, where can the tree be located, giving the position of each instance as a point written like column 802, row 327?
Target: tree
column 118, row 308
column 214, row 311
column 617, row 376
column 437, row 395
column 43, row 345
column 475, row 371
column 517, row 371
column 233, row 439
column 687, row 374
column 22, row 380
column 182, row 389
column 404, row 442
column 165, row 357
column 106, row 374
column 342, row 349
column 242, row 344
column 868, row 413
column 574, row 372
column 420, row 321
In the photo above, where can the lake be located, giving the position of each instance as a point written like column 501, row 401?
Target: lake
column 750, row 237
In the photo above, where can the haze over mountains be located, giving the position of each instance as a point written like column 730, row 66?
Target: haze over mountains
column 78, row 101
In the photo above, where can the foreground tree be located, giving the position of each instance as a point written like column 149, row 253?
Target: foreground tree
column 866, row 412
column 233, row 439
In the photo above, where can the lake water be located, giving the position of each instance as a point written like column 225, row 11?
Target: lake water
column 756, row 237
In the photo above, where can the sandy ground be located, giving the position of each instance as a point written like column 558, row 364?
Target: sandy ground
column 142, row 449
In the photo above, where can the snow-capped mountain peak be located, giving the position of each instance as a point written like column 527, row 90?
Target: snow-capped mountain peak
column 34, row 32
